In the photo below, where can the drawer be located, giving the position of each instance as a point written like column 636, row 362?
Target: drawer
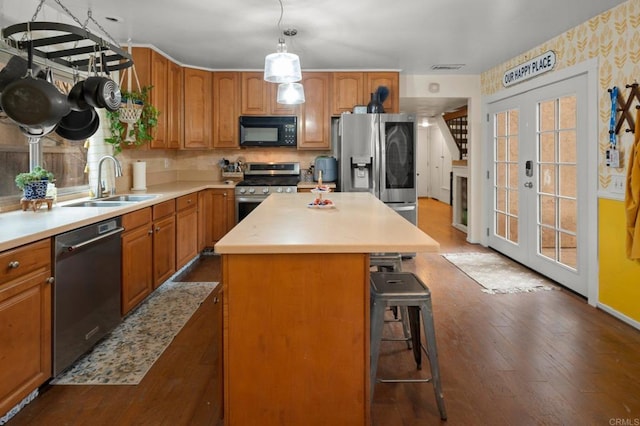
column 24, row 259
column 135, row 219
column 187, row 201
column 164, row 209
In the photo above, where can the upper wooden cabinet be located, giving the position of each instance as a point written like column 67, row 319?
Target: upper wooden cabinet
column 165, row 77
column 226, row 109
column 197, row 109
column 315, row 115
column 259, row 97
column 354, row 88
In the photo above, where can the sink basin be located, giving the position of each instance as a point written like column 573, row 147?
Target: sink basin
column 135, row 198
column 100, row 203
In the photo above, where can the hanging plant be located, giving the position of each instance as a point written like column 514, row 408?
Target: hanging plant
column 128, row 127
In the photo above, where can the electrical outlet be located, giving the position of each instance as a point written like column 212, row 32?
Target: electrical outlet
column 617, row 184
column 166, row 163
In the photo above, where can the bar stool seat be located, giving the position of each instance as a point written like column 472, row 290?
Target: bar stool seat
column 405, row 289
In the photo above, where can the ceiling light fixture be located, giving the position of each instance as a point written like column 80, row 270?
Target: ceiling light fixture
column 290, row 93
column 282, row 66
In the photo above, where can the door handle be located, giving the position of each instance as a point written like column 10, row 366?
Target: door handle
column 528, row 184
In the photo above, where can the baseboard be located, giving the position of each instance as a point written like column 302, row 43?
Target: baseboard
column 622, row 317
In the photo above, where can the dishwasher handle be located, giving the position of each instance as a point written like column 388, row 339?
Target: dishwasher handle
column 75, row 247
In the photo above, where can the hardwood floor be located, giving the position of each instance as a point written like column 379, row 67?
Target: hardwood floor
column 517, row 359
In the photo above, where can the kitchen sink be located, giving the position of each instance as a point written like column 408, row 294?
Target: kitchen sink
column 114, row 201
column 132, row 198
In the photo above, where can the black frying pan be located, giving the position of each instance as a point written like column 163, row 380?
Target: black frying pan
column 83, row 133
column 33, row 102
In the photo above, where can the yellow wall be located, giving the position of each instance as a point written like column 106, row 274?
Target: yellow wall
column 613, row 37
column 619, row 277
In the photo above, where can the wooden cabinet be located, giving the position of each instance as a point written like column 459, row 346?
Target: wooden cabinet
column 354, row 88
column 226, row 109
column 197, row 109
column 217, row 353
column 164, row 242
column 315, row 116
column 25, row 321
column 175, row 106
column 217, row 215
column 137, row 255
column 186, row 229
column 259, row 97
column 158, row 97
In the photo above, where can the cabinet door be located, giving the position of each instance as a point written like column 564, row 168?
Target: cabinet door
column 197, row 109
column 159, row 98
column 220, row 220
column 255, row 94
column 25, row 333
column 226, row 92
column 137, row 271
column 279, row 109
column 347, row 91
column 175, row 121
column 164, row 249
column 315, row 118
column 205, row 209
column 187, row 234
column 216, row 355
column 372, row 80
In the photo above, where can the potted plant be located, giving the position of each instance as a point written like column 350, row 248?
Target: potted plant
column 34, row 183
column 133, row 123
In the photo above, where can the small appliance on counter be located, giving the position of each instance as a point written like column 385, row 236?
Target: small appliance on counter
column 329, row 168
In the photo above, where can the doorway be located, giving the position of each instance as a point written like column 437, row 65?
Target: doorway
column 537, row 182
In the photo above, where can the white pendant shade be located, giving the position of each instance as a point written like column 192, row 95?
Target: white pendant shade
column 290, row 94
column 282, row 67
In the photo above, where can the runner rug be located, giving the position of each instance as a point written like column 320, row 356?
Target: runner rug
column 498, row 274
column 129, row 351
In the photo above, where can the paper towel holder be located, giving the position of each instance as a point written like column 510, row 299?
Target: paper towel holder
column 139, row 176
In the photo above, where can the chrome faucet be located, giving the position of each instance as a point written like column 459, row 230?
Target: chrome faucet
column 118, row 172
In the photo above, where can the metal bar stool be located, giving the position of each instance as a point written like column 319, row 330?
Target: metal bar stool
column 393, row 262
column 405, row 289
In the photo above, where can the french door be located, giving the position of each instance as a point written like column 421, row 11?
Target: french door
column 538, row 179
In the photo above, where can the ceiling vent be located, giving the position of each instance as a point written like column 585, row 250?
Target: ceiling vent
column 446, row 67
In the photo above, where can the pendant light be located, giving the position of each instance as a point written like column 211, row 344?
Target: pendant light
column 290, row 94
column 282, row 66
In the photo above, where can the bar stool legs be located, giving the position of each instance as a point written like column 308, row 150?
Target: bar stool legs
column 404, row 289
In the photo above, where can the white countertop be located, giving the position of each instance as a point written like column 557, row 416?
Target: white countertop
column 359, row 223
column 22, row 227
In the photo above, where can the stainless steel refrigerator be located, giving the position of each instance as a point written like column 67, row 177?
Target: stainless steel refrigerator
column 377, row 154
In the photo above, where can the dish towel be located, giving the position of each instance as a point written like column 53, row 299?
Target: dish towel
column 632, row 196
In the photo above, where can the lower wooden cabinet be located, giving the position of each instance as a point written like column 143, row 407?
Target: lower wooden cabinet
column 137, row 255
column 25, row 321
column 216, row 215
column 217, row 355
column 186, row 229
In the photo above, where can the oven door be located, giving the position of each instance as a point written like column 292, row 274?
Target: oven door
column 245, row 205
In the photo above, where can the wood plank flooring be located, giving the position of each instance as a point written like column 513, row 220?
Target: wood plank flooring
column 517, row 359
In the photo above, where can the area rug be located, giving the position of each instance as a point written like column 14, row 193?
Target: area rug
column 498, row 274
column 129, row 351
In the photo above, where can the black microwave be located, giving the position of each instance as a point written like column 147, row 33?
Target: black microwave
column 268, row 131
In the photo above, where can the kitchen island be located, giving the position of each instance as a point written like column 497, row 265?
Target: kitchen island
column 296, row 307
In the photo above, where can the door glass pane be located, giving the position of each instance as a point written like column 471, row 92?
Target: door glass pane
column 557, row 200
column 505, row 148
column 399, row 155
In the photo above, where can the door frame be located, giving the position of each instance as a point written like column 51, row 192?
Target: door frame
column 590, row 68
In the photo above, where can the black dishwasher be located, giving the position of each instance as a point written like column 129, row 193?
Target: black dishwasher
column 86, row 295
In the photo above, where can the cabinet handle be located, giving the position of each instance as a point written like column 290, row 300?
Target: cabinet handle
column 158, row 229
column 150, row 231
column 215, row 299
column 50, row 280
column 14, row 264
column 224, row 194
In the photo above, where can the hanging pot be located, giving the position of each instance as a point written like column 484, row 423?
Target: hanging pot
column 33, row 102
column 76, row 97
column 79, row 133
column 16, row 68
column 78, row 120
column 102, row 92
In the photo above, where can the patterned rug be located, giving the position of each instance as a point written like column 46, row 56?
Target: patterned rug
column 129, row 351
column 498, row 274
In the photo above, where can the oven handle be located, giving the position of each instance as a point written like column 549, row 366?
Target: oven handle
column 243, row 199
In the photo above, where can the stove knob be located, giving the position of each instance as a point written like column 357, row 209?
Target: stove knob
column 242, row 190
column 279, row 190
column 289, row 190
column 251, row 190
column 265, row 190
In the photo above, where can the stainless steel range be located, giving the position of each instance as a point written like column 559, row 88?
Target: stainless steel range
column 261, row 180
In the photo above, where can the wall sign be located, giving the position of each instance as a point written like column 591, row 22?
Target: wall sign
column 532, row 68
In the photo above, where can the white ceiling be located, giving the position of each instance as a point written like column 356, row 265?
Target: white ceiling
column 408, row 35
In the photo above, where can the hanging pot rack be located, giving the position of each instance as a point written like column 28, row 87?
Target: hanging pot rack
column 55, row 47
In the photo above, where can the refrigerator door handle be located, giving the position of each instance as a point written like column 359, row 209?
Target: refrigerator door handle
column 381, row 156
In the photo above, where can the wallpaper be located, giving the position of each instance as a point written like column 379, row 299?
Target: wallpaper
column 612, row 37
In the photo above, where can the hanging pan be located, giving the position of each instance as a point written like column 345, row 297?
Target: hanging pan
column 33, row 102
column 102, row 92
column 79, row 125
